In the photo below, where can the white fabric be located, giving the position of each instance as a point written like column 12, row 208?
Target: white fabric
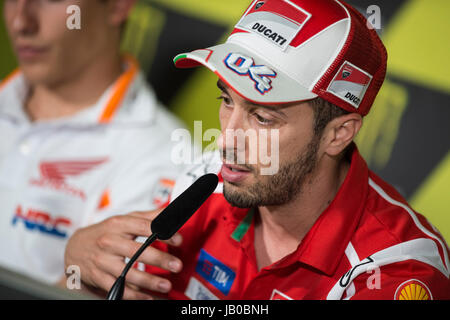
column 421, row 249
column 134, row 150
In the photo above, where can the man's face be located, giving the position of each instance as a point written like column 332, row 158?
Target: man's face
column 244, row 185
column 47, row 50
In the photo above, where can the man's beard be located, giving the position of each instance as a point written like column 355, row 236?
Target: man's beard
column 277, row 189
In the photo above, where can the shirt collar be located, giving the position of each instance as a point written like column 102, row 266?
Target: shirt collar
column 113, row 106
column 325, row 243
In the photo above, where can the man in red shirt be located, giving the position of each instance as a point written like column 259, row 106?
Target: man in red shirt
column 322, row 225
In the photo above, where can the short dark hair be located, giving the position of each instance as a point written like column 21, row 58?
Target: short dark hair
column 324, row 112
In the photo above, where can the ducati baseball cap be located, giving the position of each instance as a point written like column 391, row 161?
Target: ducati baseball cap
column 284, row 51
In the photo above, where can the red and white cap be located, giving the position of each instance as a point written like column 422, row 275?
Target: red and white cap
column 284, row 51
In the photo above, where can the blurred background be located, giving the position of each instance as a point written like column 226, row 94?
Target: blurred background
column 406, row 137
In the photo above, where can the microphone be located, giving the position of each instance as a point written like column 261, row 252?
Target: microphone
column 169, row 221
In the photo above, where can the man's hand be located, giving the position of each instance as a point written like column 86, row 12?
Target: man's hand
column 99, row 250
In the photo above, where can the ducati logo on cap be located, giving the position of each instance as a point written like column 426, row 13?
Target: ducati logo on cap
column 278, row 22
column 245, row 66
column 346, row 73
column 259, row 4
column 350, row 84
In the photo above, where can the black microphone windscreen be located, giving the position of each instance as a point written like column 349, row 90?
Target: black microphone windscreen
column 172, row 218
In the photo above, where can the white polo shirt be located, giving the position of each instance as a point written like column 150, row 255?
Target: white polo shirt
column 57, row 176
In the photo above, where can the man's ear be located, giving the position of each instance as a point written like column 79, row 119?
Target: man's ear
column 120, row 10
column 340, row 132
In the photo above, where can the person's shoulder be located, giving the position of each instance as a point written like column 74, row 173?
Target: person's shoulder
column 387, row 212
column 12, row 88
column 401, row 242
column 9, row 79
column 143, row 121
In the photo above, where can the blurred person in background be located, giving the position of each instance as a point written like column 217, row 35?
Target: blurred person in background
column 82, row 135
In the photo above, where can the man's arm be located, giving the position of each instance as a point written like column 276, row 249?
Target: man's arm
column 406, row 280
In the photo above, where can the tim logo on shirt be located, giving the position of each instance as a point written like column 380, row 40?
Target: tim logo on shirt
column 55, row 173
column 36, row 220
column 215, row 272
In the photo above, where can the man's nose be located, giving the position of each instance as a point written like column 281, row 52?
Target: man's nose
column 232, row 141
column 227, row 138
column 24, row 20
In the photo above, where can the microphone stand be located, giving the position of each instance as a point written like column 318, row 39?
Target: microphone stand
column 116, row 291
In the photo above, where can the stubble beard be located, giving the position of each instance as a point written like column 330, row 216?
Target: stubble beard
column 278, row 189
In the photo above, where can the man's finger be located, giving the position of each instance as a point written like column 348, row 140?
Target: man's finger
column 149, row 215
column 134, row 294
column 113, row 266
column 175, row 241
column 129, row 224
column 148, row 281
column 150, row 256
column 105, row 281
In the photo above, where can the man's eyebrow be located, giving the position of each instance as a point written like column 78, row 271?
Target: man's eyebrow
column 276, row 109
column 222, row 86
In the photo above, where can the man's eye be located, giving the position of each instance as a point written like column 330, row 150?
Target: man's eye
column 225, row 100
column 262, row 120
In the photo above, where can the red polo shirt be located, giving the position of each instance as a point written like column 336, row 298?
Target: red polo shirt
column 368, row 244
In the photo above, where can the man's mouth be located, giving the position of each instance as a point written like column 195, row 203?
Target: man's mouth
column 234, row 173
column 29, row 53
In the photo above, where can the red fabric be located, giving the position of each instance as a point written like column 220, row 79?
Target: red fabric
column 358, row 214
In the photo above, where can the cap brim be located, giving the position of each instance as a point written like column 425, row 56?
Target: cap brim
column 256, row 80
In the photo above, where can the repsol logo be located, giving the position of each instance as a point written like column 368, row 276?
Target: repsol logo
column 269, row 33
column 352, row 98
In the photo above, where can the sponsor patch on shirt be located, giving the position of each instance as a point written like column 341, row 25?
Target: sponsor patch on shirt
column 350, row 84
column 54, row 174
column 413, row 290
column 197, row 291
column 161, row 195
column 43, row 222
column 279, row 24
column 215, row 272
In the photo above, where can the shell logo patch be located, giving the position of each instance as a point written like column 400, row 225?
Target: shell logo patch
column 413, row 290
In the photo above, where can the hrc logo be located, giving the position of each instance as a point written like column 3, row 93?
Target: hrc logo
column 215, row 272
column 42, row 222
column 55, row 173
column 245, row 66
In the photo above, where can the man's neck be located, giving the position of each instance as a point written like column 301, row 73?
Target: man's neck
column 73, row 94
column 280, row 229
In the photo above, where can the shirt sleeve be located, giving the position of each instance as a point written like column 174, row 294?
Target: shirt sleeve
column 406, row 280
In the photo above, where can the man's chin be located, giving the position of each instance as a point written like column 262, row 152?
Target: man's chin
column 238, row 195
column 238, row 186
column 36, row 73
